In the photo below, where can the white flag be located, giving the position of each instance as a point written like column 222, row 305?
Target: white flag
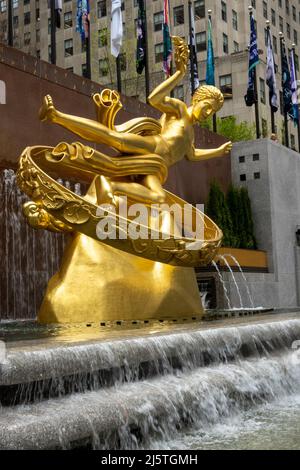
column 270, row 75
column 116, row 27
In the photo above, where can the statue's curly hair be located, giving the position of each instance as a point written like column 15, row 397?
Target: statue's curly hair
column 208, row 92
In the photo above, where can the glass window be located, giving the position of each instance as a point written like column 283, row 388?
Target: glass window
column 68, row 20
column 265, row 10
column 273, row 17
column 158, row 19
column 234, row 20
column 201, row 41
column 101, row 9
column 226, row 84
column 68, row 47
column 178, row 15
column 224, row 11
column 225, row 43
column 27, row 17
column 199, row 9
column 159, row 52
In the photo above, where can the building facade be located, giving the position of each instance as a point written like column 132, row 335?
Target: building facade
column 231, row 31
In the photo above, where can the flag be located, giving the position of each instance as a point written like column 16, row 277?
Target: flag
column 83, row 18
column 210, row 63
column 250, row 97
column 194, row 70
column 270, row 74
column 294, row 90
column 58, row 10
column 141, row 38
column 116, row 27
column 167, row 41
column 286, row 82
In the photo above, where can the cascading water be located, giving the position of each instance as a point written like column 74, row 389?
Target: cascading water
column 243, row 276
column 223, row 284
column 223, row 258
column 148, row 392
column 29, row 257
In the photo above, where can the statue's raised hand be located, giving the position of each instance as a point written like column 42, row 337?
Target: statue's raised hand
column 181, row 54
column 47, row 109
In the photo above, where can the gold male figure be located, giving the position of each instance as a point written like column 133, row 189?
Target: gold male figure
column 173, row 143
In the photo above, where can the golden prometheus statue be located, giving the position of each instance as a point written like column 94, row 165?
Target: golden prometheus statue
column 118, row 267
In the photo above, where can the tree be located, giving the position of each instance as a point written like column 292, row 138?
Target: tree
column 229, row 128
column 249, row 238
column 217, row 210
column 234, row 206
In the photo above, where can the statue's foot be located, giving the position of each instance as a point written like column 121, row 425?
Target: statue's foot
column 47, row 109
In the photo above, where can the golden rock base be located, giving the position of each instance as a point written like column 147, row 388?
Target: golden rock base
column 97, row 283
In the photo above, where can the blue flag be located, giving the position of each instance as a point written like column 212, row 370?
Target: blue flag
column 83, row 18
column 210, row 63
column 294, row 90
column 250, row 97
column 286, row 82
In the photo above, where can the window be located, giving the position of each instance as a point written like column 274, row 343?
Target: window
column 236, row 47
column 281, row 24
column 179, row 92
column 15, row 3
column 294, row 13
column 83, row 70
column 178, row 15
column 226, row 84
column 295, row 37
column 287, row 6
column 101, row 9
column 27, row 38
column 3, row 6
column 288, row 31
column 262, row 91
column 273, row 17
column 103, row 67
column 159, row 52
column 16, row 21
column 158, row 19
column 26, row 2
column 243, row 177
column 201, row 41
column 224, row 11
column 199, row 8
column 265, row 10
column 255, row 157
column 257, row 175
column 253, row 3
column 27, row 17
column 234, row 20
column 242, row 159
column 102, row 37
column 68, row 47
column 68, row 20
column 37, row 14
column 225, row 43
column 280, row 3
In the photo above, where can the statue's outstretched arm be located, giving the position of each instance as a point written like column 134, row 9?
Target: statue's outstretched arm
column 159, row 98
column 207, row 154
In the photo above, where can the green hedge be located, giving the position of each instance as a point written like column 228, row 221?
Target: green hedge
column 232, row 213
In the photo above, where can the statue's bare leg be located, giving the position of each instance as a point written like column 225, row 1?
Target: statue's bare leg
column 97, row 132
column 149, row 189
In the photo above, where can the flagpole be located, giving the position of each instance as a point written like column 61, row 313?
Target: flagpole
column 214, row 115
column 191, row 50
column 119, row 75
column 250, row 8
column 147, row 76
column 298, row 122
column 286, row 129
column 10, row 34
column 88, row 51
column 53, row 32
column 273, row 129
